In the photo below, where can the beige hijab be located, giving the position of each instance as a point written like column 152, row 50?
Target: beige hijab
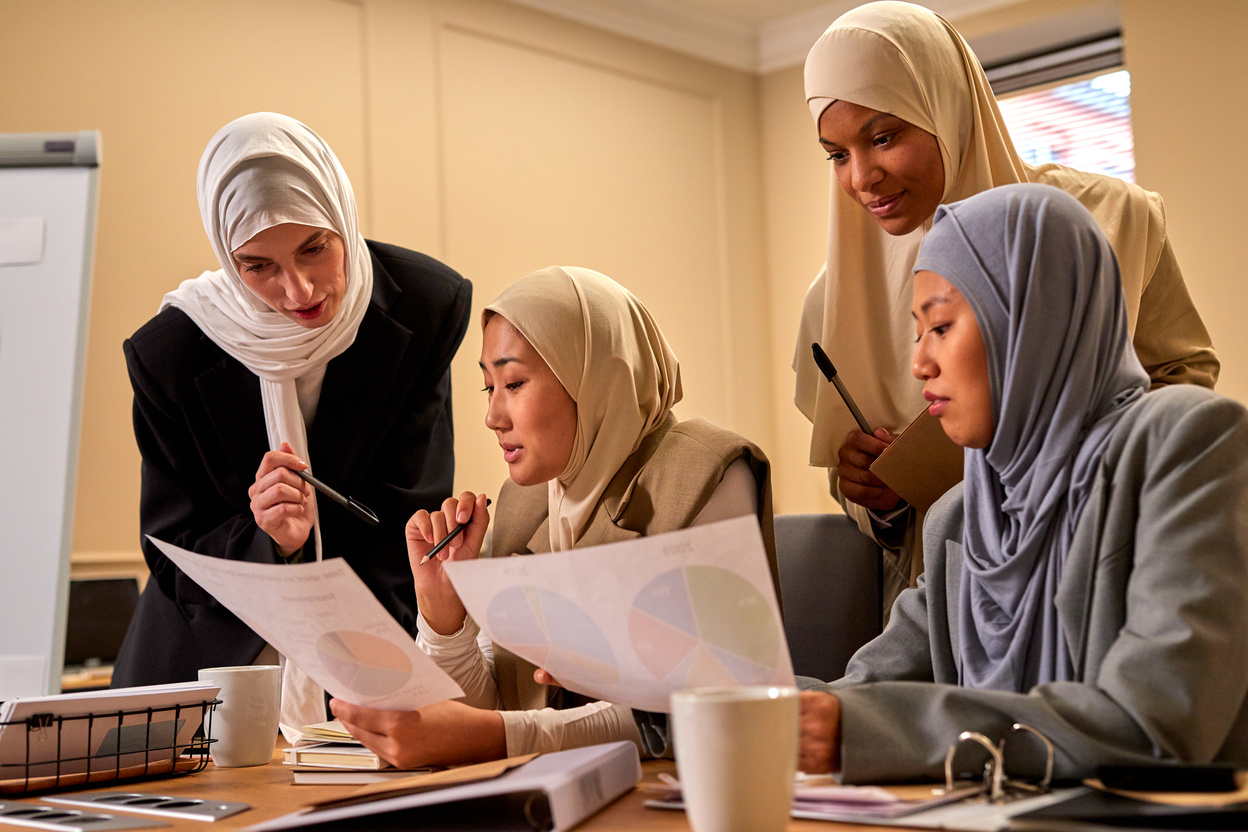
column 905, row 60
column 608, row 353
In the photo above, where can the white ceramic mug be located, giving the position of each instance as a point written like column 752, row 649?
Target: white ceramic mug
column 244, row 725
column 736, row 753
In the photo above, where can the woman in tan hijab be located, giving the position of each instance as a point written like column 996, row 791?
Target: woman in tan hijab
column 580, row 383
column 910, row 122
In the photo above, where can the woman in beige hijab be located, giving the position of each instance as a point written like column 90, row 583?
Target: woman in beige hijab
column 909, row 122
column 580, row 383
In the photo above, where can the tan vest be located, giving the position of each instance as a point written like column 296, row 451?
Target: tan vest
column 660, row 488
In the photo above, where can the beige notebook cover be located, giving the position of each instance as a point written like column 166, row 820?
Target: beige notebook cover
column 921, row 464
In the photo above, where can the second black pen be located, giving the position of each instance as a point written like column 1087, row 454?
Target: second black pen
column 442, row 544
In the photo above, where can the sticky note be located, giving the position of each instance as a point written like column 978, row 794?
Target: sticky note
column 21, row 241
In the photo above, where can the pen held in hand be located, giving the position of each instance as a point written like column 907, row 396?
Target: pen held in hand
column 442, row 544
column 358, row 509
column 829, row 372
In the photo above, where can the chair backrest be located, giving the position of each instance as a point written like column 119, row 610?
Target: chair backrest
column 99, row 613
column 830, row 580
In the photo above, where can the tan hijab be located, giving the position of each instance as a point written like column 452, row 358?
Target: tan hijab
column 905, row 60
column 608, row 353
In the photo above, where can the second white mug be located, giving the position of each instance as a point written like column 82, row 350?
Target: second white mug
column 736, row 754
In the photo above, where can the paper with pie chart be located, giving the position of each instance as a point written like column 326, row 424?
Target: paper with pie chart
column 321, row 616
column 632, row 622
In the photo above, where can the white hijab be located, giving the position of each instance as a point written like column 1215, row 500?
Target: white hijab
column 259, row 171
column 609, row 354
column 907, row 61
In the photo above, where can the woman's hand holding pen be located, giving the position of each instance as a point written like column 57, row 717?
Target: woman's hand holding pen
column 435, row 596
column 281, row 502
column 857, row 482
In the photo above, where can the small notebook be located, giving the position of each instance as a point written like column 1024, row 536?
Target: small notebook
column 334, row 755
column 921, row 464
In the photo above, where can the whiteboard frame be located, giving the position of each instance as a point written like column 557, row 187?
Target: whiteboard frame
column 56, row 177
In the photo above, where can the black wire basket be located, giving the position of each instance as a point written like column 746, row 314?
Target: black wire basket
column 84, row 749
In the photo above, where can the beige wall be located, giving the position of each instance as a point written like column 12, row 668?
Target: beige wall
column 496, row 138
column 1189, row 111
column 796, row 178
column 502, row 140
column 1189, row 66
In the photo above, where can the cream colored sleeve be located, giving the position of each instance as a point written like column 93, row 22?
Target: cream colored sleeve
column 466, row 656
column 1170, row 338
column 735, row 496
column 551, row 730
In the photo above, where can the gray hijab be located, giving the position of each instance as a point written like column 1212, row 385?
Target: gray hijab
column 1043, row 283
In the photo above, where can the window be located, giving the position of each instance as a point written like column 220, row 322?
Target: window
column 1085, row 123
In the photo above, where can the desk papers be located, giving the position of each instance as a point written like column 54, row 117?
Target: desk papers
column 632, row 622
column 912, row 806
column 322, row 617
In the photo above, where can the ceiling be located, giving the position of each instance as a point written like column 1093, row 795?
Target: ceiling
column 766, row 35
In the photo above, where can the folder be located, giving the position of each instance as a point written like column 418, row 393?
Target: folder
column 1100, row 810
column 552, row 792
column 921, row 464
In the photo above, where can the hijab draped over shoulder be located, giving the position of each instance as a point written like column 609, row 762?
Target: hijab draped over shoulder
column 609, row 354
column 1043, row 283
column 907, row 61
column 259, row 171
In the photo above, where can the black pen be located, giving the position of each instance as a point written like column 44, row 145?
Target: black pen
column 358, row 509
column 829, row 372
column 432, row 553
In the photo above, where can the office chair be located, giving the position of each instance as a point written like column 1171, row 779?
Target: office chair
column 830, row 582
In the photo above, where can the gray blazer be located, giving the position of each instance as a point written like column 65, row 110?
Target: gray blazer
column 1153, row 600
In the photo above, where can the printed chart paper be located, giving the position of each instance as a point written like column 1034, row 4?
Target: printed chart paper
column 323, row 617
column 632, row 622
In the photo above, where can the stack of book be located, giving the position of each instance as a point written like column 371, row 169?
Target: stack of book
column 327, row 753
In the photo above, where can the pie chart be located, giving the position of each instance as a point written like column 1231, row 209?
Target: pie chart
column 365, row 663
column 703, row 625
column 552, row 632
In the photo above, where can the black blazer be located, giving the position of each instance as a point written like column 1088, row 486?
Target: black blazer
column 382, row 434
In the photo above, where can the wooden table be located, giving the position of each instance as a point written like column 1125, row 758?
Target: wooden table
column 269, row 791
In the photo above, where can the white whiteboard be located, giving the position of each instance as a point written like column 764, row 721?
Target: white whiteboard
column 47, row 233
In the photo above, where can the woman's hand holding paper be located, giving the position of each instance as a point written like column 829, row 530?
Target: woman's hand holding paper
column 856, row 481
column 543, row 677
column 281, row 502
column 435, row 596
column 443, row 734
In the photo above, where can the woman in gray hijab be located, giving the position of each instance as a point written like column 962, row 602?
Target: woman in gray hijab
column 1089, row 577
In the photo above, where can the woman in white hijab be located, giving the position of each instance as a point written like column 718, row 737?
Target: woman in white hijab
column 1089, row 577
column 580, row 383
column 309, row 349
column 909, row 122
